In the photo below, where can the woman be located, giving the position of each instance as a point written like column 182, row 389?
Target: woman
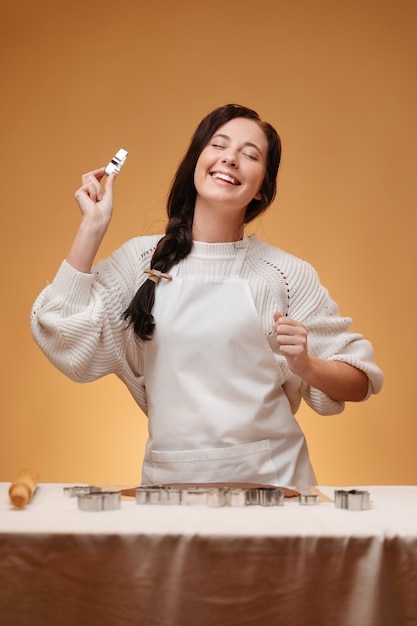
column 217, row 335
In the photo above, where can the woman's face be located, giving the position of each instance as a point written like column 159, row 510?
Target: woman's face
column 231, row 168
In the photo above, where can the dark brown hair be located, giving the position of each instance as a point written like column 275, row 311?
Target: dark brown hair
column 177, row 241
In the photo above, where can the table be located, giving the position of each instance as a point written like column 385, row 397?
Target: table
column 165, row 565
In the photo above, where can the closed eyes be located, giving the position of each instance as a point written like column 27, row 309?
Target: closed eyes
column 249, row 155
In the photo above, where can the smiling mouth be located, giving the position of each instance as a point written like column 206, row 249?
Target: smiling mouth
column 225, row 177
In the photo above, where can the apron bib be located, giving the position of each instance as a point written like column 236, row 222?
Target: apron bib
column 216, row 407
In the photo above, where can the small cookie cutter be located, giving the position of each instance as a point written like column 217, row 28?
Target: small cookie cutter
column 117, row 162
column 270, row 496
column 80, row 490
column 236, row 497
column 99, row 501
column 308, row 499
column 195, row 495
column 217, row 497
column 353, row 500
column 156, row 494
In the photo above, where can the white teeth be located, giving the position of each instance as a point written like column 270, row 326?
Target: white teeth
column 228, row 179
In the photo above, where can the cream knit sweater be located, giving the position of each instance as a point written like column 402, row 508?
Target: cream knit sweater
column 77, row 320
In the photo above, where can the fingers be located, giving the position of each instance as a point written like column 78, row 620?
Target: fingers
column 109, row 185
column 91, row 185
column 277, row 315
column 283, row 324
column 292, row 342
column 291, row 334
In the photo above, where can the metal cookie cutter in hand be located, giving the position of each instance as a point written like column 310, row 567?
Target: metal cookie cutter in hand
column 354, row 500
column 117, row 162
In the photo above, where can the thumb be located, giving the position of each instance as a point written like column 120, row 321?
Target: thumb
column 277, row 315
column 109, row 186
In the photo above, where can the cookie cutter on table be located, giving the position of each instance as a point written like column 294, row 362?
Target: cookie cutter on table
column 117, row 162
column 212, row 497
column 80, row 490
column 353, row 500
column 308, row 499
column 99, row 501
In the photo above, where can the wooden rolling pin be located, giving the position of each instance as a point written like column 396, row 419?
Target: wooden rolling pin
column 23, row 487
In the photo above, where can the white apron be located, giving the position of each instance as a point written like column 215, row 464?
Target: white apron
column 216, row 407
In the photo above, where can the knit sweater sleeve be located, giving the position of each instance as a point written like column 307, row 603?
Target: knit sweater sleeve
column 77, row 320
column 297, row 292
column 329, row 337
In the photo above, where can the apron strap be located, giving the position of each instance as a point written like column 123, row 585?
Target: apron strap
column 240, row 257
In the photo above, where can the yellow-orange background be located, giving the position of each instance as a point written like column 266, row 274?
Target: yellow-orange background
column 337, row 78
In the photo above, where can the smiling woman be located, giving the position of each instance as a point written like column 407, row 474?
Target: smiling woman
column 217, row 335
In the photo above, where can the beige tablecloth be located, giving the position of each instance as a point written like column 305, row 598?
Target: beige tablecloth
column 195, row 566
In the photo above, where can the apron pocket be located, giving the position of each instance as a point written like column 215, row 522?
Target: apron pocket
column 250, row 462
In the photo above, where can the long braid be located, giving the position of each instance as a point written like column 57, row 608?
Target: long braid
column 174, row 246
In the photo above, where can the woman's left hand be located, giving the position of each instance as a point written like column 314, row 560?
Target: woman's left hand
column 338, row 380
column 292, row 342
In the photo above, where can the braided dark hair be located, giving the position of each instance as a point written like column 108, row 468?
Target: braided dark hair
column 177, row 241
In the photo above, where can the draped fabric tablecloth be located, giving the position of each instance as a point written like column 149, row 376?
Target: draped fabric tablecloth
column 164, row 565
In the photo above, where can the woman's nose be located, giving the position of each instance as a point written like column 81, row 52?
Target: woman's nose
column 230, row 157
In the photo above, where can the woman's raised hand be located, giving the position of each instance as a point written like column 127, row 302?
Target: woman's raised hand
column 94, row 199
column 96, row 205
